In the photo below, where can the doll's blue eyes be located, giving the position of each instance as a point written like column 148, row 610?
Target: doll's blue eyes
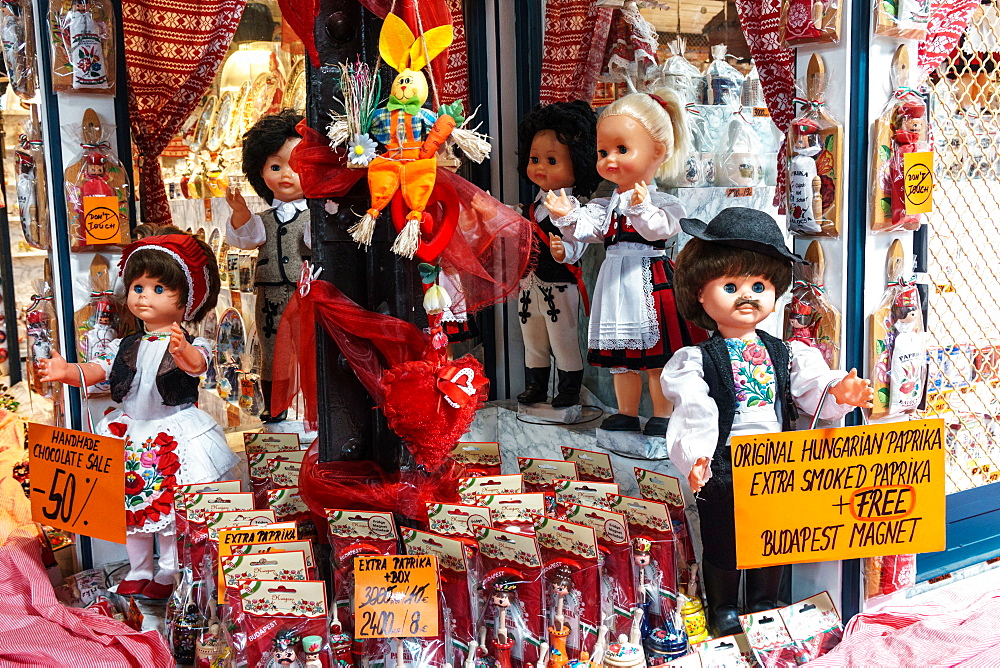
column 730, row 288
column 758, row 287
column 552, row 161
column 158, row 289
column 623, row 149
column 137, row 289
column 275, row 168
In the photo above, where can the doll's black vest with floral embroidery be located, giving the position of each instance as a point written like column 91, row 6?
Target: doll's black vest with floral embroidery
column 718, row 370
column 174, row 384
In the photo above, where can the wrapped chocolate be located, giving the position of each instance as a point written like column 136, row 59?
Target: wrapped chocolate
column 32, row 201
column 724, row 83
column 17, row 33
column 96, row 188
column 739, row 154
column 681, row 76
column 42, row 327
column 97, row 323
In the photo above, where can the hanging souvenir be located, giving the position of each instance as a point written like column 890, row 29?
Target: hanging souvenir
column 96, row 188
column 17, row 33
column 811, row 22
column 43, row 337
column 809, row 316
column 32, row 197
column 681, row 76
column 815, row 151
column 905, row 19
column 898, row 344
column 230, row 349
column 630, row 54
column 901, row 190
column 724, row 83
column 97, row 322
column 83, row 45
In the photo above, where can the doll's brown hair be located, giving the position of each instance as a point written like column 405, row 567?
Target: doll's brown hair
column 701, row 262
column 165, row 269
column 263, row 140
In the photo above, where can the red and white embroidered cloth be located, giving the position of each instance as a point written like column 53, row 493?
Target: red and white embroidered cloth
column 948, row 21
column 172, row 51
column 576, row 38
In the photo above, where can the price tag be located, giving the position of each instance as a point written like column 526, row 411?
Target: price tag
column 77, row 481
column 100, row 220
column 396, row 597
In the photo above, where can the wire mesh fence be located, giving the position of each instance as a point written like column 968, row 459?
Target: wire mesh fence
column 964, row 254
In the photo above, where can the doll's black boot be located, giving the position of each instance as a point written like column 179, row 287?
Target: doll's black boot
column 762, row 588
column 266, row 417
column 569, row 388
column 536, row 386
column 722, row 588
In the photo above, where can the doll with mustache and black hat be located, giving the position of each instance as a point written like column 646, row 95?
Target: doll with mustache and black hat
column 739, row 382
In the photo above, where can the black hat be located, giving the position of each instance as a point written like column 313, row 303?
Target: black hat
column 740, row 227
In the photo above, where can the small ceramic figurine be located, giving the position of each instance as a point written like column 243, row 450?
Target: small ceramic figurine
column 645, row 571
column 503, row 595
column 84, row 39
column 312, row 646
column 556, row 151
column 154, row 374
column 805, row 199
column 633, row 324
column 281, row 234
column 97, row 340
column 284, row 654
column 561, row 583
column 741, row 381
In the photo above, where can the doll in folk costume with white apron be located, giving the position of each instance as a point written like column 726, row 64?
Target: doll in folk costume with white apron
column 154, row 374
column 805, row 200
column 634, row 325
column 556, row 151
column 282, row 233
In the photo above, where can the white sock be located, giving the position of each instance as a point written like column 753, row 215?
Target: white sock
column 168, row 559
column 140, row 556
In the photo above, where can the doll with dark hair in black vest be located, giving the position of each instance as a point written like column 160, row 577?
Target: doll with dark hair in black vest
column 557, row 149
column 741, row 381
column 281, row 233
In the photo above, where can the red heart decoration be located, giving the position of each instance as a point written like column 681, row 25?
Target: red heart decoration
column 443, row 206
column 417, row 411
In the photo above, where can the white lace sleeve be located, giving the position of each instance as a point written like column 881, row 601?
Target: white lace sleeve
column 809, row 378
column 657, row 217
column 693, row 430
column 574, row 250
column 585, row 223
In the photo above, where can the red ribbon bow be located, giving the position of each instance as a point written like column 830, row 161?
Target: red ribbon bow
column 459, row 385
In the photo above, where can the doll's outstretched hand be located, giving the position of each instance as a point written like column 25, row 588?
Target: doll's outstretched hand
column 187, row 357
column 484, row 206
column 853, row 391
column 53, row 370
column 699, row 474
column 558, row 205
column 241, row 212
column 557, row 247
column 640, row 193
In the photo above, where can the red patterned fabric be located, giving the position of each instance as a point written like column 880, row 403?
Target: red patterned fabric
column 301, row 16
column 172, row 51
column 761, row 21
column 949, row 19
column 576, row 37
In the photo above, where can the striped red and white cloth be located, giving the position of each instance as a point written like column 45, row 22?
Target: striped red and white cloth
column 36, row 630
column 957, row 627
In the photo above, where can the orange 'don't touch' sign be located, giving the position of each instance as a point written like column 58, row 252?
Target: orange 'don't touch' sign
column 77, row 481
column 829, row 494
column 101, row 222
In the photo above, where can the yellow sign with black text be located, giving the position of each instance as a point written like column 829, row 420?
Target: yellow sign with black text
column 918, row 182
column 396, row 596
column 843, row 493
column 77, row 481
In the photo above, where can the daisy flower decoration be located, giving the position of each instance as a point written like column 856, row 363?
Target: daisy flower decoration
column 361, row 150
